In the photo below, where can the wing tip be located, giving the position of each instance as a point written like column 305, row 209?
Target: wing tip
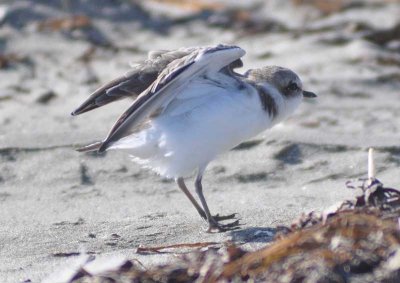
column 85, row 107
column 79, row 110
column 91, row 147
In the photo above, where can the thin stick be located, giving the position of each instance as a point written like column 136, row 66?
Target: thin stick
column 185, row 245
column 371, row 165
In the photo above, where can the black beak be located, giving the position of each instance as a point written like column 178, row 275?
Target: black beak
column 309, row 94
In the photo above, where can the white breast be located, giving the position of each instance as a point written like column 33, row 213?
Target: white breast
column 204, row 121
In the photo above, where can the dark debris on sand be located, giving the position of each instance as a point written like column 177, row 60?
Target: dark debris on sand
column 358, row 241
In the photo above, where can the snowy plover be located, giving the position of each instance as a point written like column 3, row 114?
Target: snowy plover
column 190, row 106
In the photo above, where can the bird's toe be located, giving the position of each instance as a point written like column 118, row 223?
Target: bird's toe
column 214, row 226
column 224, row 217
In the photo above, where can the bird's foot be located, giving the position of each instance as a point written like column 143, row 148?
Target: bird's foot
column 218, row 217
column 215, row 226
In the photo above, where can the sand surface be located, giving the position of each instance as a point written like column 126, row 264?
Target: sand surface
column 56, row 202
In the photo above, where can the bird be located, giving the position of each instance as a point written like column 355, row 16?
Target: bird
column 190, row 105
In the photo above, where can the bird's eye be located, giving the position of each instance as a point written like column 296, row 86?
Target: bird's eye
column 292, row 86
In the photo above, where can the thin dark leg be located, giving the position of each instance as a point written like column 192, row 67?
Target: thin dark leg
column 212, row 224
column 182, row 186
column 213, row 221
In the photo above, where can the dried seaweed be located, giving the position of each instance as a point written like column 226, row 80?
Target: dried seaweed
column 355, row 241
column 326, row 7
column 7, row 60
column 66, row 23
column 245, row 21
column 87, row 55
column 358, row 240
column 197, row 6
column 160, row 249
column 383, row 36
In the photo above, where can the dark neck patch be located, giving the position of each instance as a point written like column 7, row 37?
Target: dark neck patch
column 268, row 102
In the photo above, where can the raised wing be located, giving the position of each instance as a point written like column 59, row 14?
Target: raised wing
column 166, row 87
column 139, row 78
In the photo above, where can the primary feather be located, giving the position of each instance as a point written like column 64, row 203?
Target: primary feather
column 134, row 82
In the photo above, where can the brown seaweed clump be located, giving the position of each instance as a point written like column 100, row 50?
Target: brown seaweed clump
column 357, row 242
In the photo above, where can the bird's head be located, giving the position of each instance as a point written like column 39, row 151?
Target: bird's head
column 282, row 84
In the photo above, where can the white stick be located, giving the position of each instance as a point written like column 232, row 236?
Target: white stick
column 371, row 165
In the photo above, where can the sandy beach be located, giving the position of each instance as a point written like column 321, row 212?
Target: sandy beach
column 56, row 203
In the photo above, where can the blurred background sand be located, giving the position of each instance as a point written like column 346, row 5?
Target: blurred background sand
column 55, row 202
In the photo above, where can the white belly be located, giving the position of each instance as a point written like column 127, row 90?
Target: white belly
column 194, row 129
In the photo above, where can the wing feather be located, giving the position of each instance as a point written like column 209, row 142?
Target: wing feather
column 132, row 83
column 166, row 87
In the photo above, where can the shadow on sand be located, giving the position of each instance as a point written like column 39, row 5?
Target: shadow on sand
column 254, row 235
